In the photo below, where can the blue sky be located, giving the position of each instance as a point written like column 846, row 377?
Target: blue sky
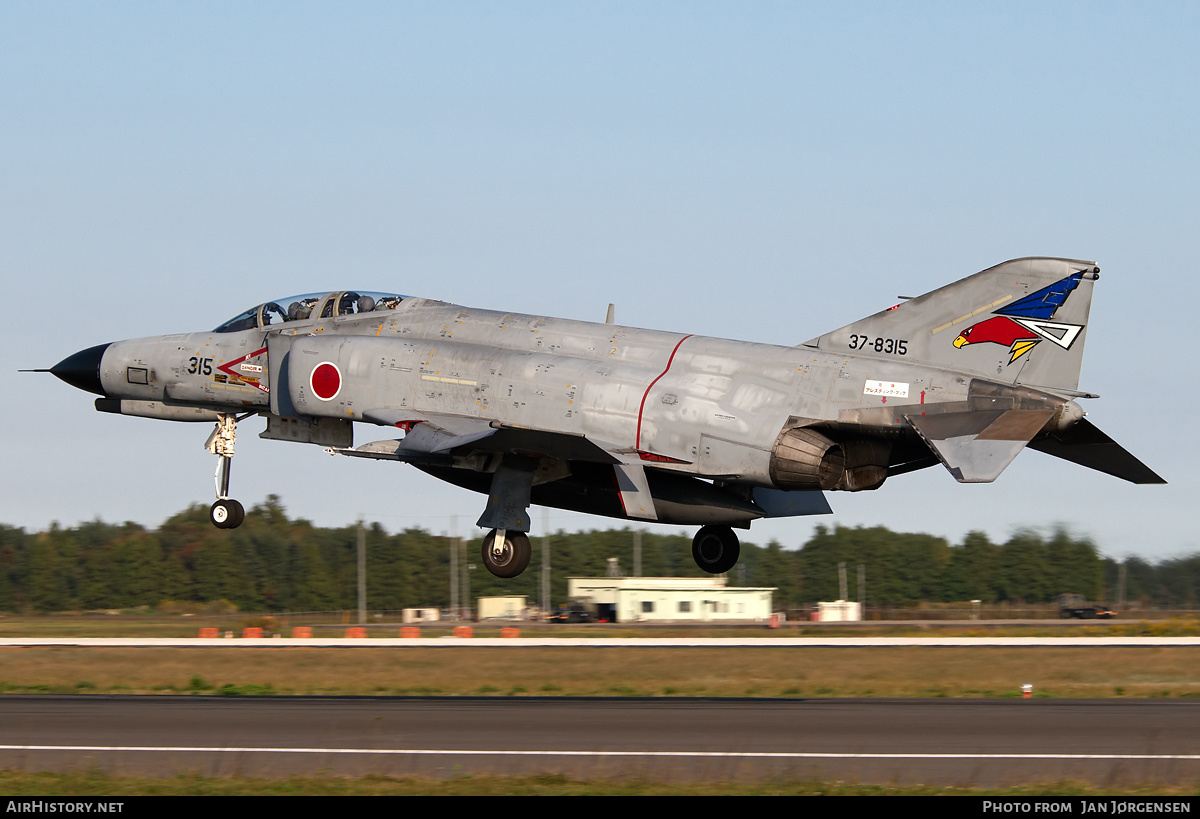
column 760, row 171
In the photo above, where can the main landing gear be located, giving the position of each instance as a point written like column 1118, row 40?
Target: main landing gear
column 506, row 548
column 716, row 549
column 506, row 553
column 226, row 513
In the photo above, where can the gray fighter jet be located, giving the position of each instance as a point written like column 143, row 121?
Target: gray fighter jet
column 638, row 424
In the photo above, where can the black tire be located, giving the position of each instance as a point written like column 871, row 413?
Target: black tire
column 716, row 549
column 513, row 560
column 227, row 514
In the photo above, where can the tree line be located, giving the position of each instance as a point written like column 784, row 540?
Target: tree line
column 276, row 563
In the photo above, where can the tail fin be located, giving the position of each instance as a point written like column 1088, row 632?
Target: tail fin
column 1020, row 322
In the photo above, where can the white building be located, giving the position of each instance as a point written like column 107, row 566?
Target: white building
column 672, row 599
column 501, row 608
column 839, row 611
column 420, row 616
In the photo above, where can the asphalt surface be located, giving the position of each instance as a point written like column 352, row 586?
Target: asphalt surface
column 954, row 742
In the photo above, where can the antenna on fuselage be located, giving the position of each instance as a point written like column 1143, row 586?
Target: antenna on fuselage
column 608, row 319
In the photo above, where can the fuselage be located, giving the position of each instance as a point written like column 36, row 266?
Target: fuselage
column 696, row 404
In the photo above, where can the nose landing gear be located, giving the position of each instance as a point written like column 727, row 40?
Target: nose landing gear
column 226, row 513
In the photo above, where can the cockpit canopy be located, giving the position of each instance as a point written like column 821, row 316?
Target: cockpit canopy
column 309, row 306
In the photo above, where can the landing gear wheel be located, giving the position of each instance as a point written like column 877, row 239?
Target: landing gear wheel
column 227, row 514
column 716, row 549
column 511, row 559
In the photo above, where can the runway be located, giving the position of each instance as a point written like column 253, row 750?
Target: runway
column 949, row 742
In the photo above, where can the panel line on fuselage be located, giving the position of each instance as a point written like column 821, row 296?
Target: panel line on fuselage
column 642, row 406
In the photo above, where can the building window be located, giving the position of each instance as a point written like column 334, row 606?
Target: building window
column 647, row 607
column 685, row 606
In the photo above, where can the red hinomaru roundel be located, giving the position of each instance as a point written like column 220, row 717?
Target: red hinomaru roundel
column 326, row 381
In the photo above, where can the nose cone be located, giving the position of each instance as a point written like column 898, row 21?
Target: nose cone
column 82, row 370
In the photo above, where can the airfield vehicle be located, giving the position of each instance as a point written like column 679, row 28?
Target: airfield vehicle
column 1077, row 606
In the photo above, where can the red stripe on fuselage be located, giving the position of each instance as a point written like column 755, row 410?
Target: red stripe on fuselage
column 641, row 408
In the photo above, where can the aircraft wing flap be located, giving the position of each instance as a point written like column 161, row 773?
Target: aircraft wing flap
column 976, row 446
column 1086, row 445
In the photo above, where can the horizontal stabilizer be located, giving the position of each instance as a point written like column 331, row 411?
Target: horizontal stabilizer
column 1086, row 445
column 976, row 446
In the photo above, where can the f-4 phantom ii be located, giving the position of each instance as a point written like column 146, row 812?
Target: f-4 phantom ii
column 638, row 424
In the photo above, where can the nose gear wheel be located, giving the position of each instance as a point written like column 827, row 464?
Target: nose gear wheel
column 227, row 514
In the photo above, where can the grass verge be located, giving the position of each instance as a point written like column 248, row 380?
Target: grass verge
column 913, row 671
column 20, row 784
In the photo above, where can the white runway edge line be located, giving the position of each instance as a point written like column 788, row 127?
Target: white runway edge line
column 660, row 754
column 595, row 642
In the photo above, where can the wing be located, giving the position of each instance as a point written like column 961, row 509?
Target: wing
column 434, row 439
column 435, row 434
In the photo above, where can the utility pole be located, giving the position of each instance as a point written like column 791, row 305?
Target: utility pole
column 862, row 590
column 545, row 564
column 455, row 612
column 637, row 552
column 466, row 573
column 362, row 574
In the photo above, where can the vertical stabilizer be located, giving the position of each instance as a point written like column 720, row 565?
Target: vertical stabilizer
column 1020, row 322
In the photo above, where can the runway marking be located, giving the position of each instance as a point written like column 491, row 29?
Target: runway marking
column 657, row 754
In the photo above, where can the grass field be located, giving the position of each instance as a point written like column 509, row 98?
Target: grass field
column 334, row 624
column 18, row 784
column 915, row 671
